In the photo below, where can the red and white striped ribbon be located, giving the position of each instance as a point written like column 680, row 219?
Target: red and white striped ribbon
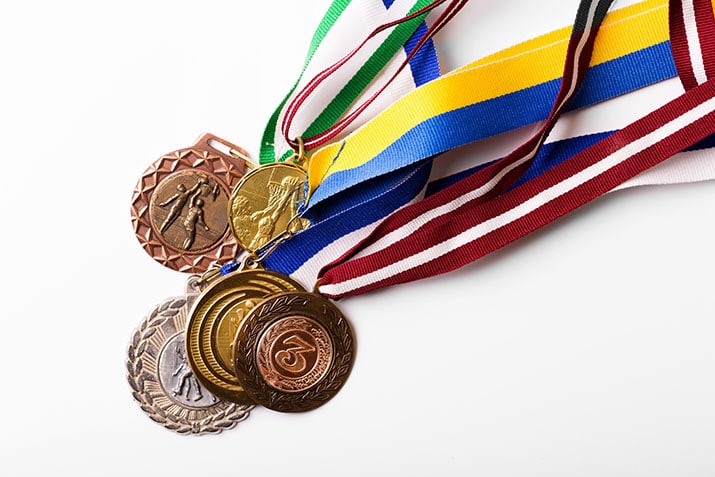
column 452, row 228
column 301, row 97
column 692, row 30
column 499, row 176
column 454, row 234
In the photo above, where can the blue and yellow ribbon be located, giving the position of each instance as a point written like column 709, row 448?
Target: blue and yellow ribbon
column 496, row 94
column 501, row 92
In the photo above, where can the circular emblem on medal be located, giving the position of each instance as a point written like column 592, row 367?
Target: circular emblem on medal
column 179, row 206
column 162, row 381
column 293, row 352
column 265, row 203
column 216, row 318
column 182, row 207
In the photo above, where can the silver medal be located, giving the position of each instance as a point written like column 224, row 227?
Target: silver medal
column 161, row 379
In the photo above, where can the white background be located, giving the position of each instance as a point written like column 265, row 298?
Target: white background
column 583, row 350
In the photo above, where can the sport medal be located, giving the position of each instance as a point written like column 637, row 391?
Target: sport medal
column 265, row 203
column 216, row 318
column 179, row 205
column 366, row 217
column 182, row 208
column 294, row 352
column 161, row 379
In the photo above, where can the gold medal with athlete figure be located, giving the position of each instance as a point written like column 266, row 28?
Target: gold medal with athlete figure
column 265, row 204
column 179, row 205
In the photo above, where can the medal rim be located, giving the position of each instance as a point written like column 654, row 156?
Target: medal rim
column 224, row 414
column 251, row 333
column 196, row 340
column 228, row 171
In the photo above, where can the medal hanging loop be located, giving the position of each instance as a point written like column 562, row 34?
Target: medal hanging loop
column 208, row 276
column 250, row 262
column 258, row 257
column 294, row 225
column 300, row 157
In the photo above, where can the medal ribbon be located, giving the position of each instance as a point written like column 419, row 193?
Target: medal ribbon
column 496, row 177
column 452, row 228
column 621, row 62
column 692, row 28
column 500, row 93
column 321, row 137
column 337, row 29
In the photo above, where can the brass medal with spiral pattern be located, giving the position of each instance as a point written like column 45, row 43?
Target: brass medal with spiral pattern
column 216, row 318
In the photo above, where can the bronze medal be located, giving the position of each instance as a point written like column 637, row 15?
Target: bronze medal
column 293, row 352
column 179, row 205
column 265, row 203
column 215, row 320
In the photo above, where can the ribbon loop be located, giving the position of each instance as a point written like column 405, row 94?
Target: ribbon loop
column 692, row 35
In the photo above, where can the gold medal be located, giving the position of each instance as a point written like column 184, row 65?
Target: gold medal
column 215, row 320
column 179, row 205
column 293, row 352
column 265, row 204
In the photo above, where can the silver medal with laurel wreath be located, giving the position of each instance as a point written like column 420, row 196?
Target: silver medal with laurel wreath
column 161, row 379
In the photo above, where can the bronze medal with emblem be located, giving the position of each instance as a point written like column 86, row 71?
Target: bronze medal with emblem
column 293, row 352
column 179, row 205
column 216, row 318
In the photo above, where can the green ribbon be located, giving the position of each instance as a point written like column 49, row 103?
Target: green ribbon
column 353, row 88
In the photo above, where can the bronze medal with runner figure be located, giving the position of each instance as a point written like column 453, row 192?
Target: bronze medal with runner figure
column 179, row 205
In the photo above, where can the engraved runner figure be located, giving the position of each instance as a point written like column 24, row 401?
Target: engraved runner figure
column 283, row 195
column 237, row 317
column 186, row 377
column 241, row 216
column 194, row 216
column 179, row 201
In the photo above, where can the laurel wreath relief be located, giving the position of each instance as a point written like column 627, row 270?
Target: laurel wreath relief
column 137, row 376
column 246, row 360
